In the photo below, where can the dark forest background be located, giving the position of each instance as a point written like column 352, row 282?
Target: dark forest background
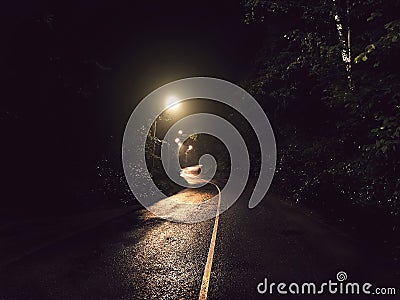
column 332, row 76
column 326, row 73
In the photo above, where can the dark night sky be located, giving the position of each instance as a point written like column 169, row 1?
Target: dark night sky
column 165, row 42
column 169, row 38
column 65, row 106
column 146, row 43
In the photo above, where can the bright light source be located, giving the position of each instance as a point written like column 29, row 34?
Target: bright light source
column 172, row 102
column 177, row 140
column 190, row 147
column 180, row 132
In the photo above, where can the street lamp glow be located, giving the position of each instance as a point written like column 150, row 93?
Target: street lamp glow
column 177, row 140
column 172, row 103
column 190, row 147
column 180, row 132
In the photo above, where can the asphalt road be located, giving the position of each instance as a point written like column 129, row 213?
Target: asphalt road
column 140, row 256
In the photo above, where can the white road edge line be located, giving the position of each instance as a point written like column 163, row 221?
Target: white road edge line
column 207, row 270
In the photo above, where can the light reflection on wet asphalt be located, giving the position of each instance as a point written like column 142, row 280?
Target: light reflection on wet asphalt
column 140, row 256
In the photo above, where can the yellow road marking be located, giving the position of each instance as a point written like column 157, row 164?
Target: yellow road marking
column 207, row 270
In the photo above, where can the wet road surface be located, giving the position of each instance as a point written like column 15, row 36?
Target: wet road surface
column 140, row 256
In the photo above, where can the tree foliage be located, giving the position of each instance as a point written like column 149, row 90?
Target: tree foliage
column 338, row 143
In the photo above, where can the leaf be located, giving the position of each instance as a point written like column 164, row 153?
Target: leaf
column 370, row 48
column 373, row 16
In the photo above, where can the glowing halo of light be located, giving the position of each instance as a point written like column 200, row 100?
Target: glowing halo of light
column 140, row 122
column 172, row 103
